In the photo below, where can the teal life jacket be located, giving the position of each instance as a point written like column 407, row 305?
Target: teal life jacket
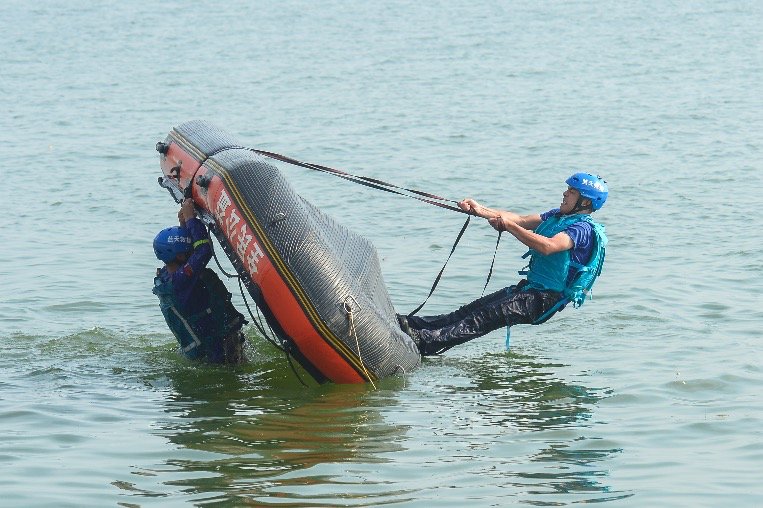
column 552, row 272
column 199, row 334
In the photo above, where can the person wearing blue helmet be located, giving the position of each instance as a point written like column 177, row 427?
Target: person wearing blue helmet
column 566, row 251
column 194, row 302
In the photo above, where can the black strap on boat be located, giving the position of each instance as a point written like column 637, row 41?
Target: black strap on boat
column 439, row 275
column 492, row 264
column 283, row 347
column 452, row 249
column 374, row 183
column 257, row 322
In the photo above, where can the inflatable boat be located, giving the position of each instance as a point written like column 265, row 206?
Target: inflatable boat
column 318, row 285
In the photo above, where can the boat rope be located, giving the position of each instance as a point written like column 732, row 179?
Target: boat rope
column 439, row 275
column 257, row 321
column 350, row 315
column 405, row 375
column 375, row 183
column 261, row 329
column 492, row 264
column 217, row 261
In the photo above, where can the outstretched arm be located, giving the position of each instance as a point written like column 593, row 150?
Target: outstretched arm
column 557, row 243
column 528, row 222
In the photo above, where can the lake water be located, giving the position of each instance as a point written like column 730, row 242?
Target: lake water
column 649, row 395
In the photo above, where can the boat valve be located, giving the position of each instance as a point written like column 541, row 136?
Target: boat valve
column 162, row 148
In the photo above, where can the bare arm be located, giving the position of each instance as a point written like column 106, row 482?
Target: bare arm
column 557, row 243
column 187, row 211
column 529, row 222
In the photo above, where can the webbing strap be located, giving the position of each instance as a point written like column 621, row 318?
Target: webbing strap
column 452, row 249
column 492, row 264
column 439, row 275
column 374, row 183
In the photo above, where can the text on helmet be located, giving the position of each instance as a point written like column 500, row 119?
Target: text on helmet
column 593, row 183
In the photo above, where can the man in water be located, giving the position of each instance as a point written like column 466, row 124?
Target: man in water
column 567, row 253
column 195, row 303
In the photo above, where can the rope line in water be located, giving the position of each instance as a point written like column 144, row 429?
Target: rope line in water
column 258, row 321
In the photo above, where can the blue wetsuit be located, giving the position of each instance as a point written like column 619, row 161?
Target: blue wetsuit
column 207, row 318
column 192, row 296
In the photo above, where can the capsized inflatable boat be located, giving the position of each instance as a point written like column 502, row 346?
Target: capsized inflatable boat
column 318, row 284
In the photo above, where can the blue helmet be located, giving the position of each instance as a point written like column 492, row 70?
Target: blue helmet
column 172, row 241
column 591, row 187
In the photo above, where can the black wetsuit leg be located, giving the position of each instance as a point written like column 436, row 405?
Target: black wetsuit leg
column 506, row 307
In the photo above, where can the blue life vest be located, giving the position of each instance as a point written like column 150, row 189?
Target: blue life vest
column 200, row 335
column 552, row 272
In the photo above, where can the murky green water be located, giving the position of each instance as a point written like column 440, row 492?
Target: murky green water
column 647, row 396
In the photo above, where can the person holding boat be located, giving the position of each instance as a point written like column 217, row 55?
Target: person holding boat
column 194, row 301
column 566, row 249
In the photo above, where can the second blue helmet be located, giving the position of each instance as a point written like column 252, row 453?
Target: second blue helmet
column 170, row 242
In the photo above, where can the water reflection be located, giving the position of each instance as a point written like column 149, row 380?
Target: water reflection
column 517, row 400
column 530, row 389
column 485, row 428
column 257, row 433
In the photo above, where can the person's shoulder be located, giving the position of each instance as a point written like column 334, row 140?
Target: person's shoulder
column 582, row 225
column 580, row 232
column 545, row 215
column 594, row 225
column 194, row 223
